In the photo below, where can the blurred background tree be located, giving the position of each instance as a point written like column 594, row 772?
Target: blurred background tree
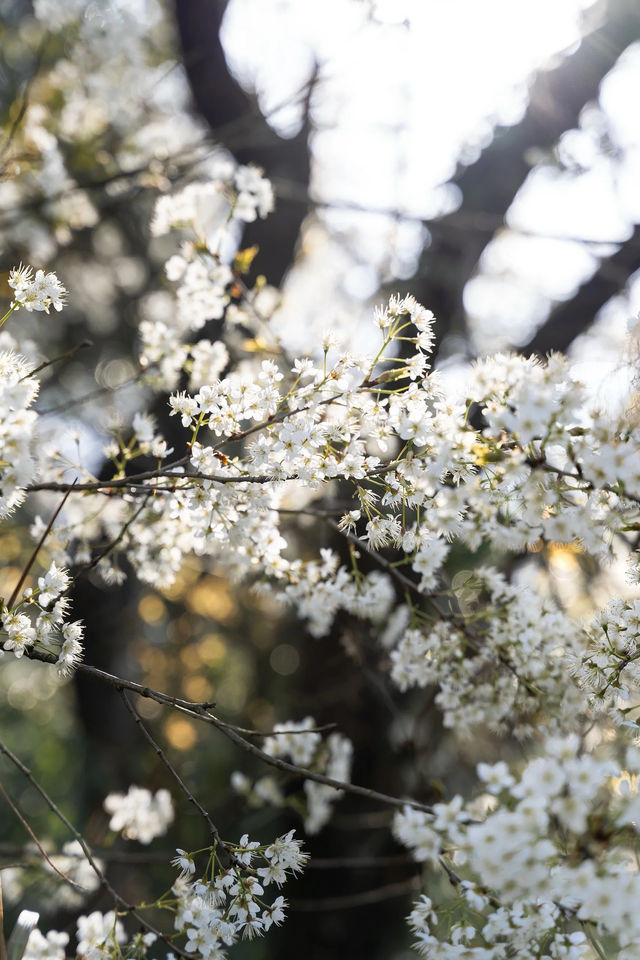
column 482, row 157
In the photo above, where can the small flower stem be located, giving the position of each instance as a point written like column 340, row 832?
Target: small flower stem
column 8, row 313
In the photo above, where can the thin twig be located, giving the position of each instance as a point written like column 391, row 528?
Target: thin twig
column 37, row 842
column 279, row 764
column 278, row 733
column 124, row 482
column 411, row 585
column 121, row 684
column 68, row 355
column 102, row 484
column 588, row 485
column 114, row 543
column 213, row 830
column 94, row 394
column 381, row 561
column 32, row 558
column 24, row 856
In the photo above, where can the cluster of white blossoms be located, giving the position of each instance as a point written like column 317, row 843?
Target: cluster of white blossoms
column 18, row 465
column 211, row 210
column 300, row 743
column 39, row 292
column 139, row 814
column 228, row 901
column 50, row 947
column 99, row 936
column 483, row 676
column 242, row 192
column 38, row 622
column 609, row 668
column 541, row 865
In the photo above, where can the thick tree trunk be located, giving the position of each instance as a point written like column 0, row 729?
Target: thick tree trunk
column 490, row 184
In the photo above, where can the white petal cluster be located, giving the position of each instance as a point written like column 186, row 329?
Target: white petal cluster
column 212, row 210
column 609, row 668
column 299, row 743
column 99, row 935
column 514, row 659
column 224, row 905
column 139, row 814
column 529, row 477
column 39, row 292
column 39, row 621
column 18, row 464
column 208, row 360
column 51, row 947
column 533, row 868
column 228, row 903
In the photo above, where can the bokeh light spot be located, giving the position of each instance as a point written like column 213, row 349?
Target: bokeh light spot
column 284, row 659
column 180, row 733
column 151, row 609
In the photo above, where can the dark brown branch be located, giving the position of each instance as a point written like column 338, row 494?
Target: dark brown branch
column 124, row 482
column 489, row 185
column 310, row 774
column 568, row 320
column 119, row 683
column 68, row 355
column 213, row 830
column 200, row 711
column 237, row 122
column 24, row 856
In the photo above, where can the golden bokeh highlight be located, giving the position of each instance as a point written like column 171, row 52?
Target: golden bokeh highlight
column 151, row 609
column 190, row 656
column 180, row 733
column 10, row 546
column 186, row 576
column 9, row 576
column 155, row 664
column 211, row 598
column 197, row 689
column 262, row 714
column 213, row 650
